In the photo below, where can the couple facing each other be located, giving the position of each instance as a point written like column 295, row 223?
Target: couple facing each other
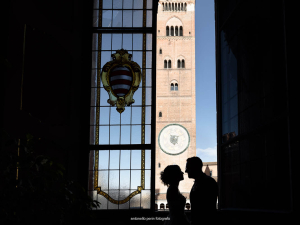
column 203, row 195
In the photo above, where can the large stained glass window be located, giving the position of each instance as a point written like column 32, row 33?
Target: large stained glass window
column 121, row 147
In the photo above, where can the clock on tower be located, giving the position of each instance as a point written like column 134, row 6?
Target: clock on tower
column 174, row 139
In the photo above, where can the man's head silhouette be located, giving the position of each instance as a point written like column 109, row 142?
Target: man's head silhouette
column 194, row 167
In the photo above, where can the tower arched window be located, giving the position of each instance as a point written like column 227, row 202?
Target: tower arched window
column 169, row 6
column 181, row 31
column 172, row 87
column 169, row 64
column 163, row 6
column 175, row 6
column 160, row 51
column 172, row 31
column 182, row 64
column 185, row 5
column 167, row 31
column 172, row 6
column 160, row 115
column 181, row 6
column 165, row 64
column 176, row 31
column 188, row 206
column 162, row 206
column 178, row 63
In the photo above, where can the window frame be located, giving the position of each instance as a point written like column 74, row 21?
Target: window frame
column 172, row 87
column 179, row 63
column 176, row 87
column 91, row 147
column 169, row 64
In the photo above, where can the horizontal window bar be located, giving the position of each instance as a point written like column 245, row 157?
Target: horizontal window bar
column 119, row 49
column 134, row 106
column 118, row 169
column 121, row 147
column 122, row 30
column 122, row 124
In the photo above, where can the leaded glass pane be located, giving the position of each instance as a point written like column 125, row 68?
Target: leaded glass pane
column 117, row 4
column 127, row 18
column 127, row 4
column 104, row 115
column 127, row 41
column 103, row 159
column 125, row 179
column 138, row 4
column 103, row 179
column 145, row 199
column 106, row 42
column 119, row 172
column 135, row 159
column 137, row 18
column 114, row 135
column 107, row 4
column 124, row 194
column 136, row 182
column 147, row 159
column 147, row 134
column 125, row 134
column 136, row 134
column 103, row 135
column 106, row 18
column 125, row 159
column 149, row 18
column 114, row 159
column 126, row 116
column 135, row 202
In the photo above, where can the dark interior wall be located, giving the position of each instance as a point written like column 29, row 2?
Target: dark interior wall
column 256, row 164
column 55, row 86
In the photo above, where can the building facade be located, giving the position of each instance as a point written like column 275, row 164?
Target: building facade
column 175, row 91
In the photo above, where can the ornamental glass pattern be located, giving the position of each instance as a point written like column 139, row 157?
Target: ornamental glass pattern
column 120, row 143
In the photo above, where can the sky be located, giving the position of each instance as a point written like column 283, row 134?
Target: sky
column 206, row 140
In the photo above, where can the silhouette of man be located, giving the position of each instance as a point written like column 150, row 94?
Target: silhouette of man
column 203, row 195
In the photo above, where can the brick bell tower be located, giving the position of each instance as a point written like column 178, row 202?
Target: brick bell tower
column 175, row 91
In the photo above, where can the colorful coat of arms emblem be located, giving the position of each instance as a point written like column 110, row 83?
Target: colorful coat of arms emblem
column 121, row 78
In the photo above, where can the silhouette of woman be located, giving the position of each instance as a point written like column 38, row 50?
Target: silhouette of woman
column 171, row 176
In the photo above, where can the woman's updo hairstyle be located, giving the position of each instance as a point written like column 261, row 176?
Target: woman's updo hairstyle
column 170, row 174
